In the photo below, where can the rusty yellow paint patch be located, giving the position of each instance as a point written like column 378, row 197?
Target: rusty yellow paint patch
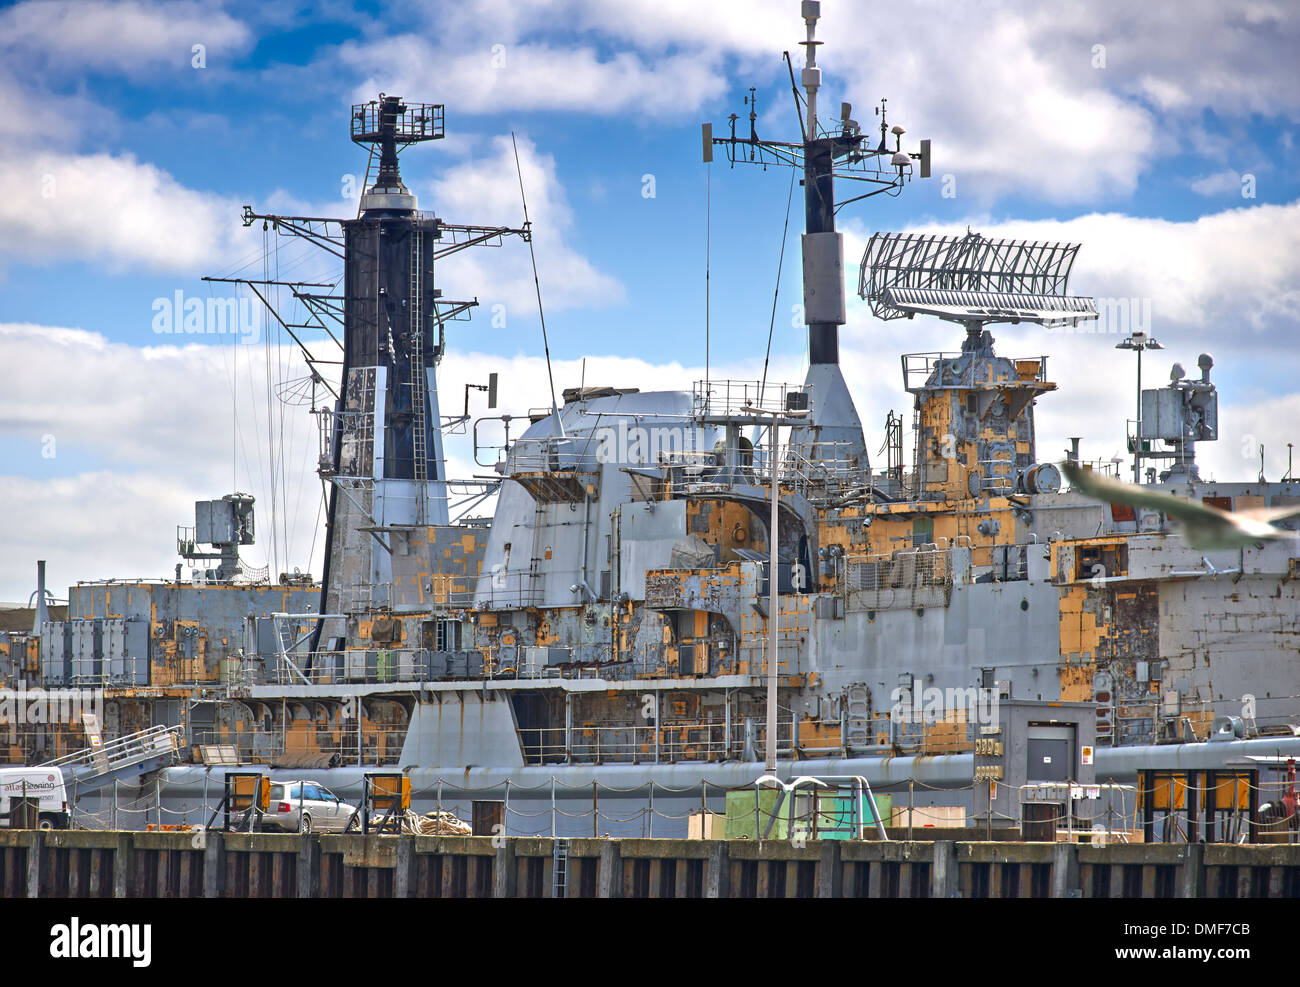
column 818, row 733
column 1079, row 632
column 1076, row 683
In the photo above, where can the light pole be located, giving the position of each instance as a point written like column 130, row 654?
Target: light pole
column 775, row 420
column 1138, row 341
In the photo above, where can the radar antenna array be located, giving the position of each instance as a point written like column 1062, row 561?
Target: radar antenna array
column 971, row 279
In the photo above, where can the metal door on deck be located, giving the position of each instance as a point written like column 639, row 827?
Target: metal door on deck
column 1049, row 753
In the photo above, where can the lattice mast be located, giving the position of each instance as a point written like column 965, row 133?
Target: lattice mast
column 381, row 454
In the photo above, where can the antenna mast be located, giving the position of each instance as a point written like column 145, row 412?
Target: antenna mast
column 824, row 155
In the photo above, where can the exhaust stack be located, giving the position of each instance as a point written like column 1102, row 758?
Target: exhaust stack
column 42, row 612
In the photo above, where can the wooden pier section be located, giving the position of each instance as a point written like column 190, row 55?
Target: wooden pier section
column 87, row 864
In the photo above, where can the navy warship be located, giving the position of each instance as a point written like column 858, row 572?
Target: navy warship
column 597, row 652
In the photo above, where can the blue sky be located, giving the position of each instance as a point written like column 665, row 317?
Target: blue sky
column 1133, row 131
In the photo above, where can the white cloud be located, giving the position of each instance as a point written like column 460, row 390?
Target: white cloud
column 1243, row 428
column 59, row 121
column 122, row 440
column 1005, row 114
column 484, row 190
column 130, row 37
column 113, row 210
column 1220, row 183
column 1015, row 96
column 533, row 76
column 124, row 214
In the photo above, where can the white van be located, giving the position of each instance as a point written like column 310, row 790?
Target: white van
column 43, row 783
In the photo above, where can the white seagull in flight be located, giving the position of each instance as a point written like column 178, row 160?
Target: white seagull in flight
column 1206, row 528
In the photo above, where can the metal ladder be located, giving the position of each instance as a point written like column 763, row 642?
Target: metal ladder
column 419, row 423
column 560, row 868
column 918, row 469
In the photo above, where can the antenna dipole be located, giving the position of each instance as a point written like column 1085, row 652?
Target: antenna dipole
column 812, row 75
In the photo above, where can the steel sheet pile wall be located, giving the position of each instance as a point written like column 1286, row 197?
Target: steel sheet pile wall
column 179, row 865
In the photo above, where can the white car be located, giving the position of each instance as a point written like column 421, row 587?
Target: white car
column 307, row 806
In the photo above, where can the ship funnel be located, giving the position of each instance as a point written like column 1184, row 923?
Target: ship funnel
column 42, row 612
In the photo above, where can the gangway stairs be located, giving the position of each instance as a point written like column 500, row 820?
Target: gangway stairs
column 135, row 753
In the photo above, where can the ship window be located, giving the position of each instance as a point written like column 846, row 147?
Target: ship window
column 1100, row 561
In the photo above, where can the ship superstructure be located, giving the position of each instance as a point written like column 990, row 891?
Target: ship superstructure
column 611, row 620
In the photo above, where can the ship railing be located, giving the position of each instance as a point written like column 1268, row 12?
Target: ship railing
column 378, row 745
column 1106, row 467
column 502, row 589
column 906, row 568
column 380, row 665
column 753, row 647
column 943, row 369
column 83, row 672
column 672, row 741
column 366, row 597
column 811, row 467
column 376, row 665
column 552, row 454
column 736, row 398
column 158, row 741
column 807, row 469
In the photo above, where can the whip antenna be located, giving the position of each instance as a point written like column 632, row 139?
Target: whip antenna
column 546, row 346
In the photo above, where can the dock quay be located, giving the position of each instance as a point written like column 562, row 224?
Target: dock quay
column 199, row 864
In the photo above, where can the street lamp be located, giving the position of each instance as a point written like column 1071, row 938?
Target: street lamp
column 776, row 419
column 1138, row 341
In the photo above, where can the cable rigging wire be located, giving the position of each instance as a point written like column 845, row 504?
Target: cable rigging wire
column 532, row 254
column 771, row 326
